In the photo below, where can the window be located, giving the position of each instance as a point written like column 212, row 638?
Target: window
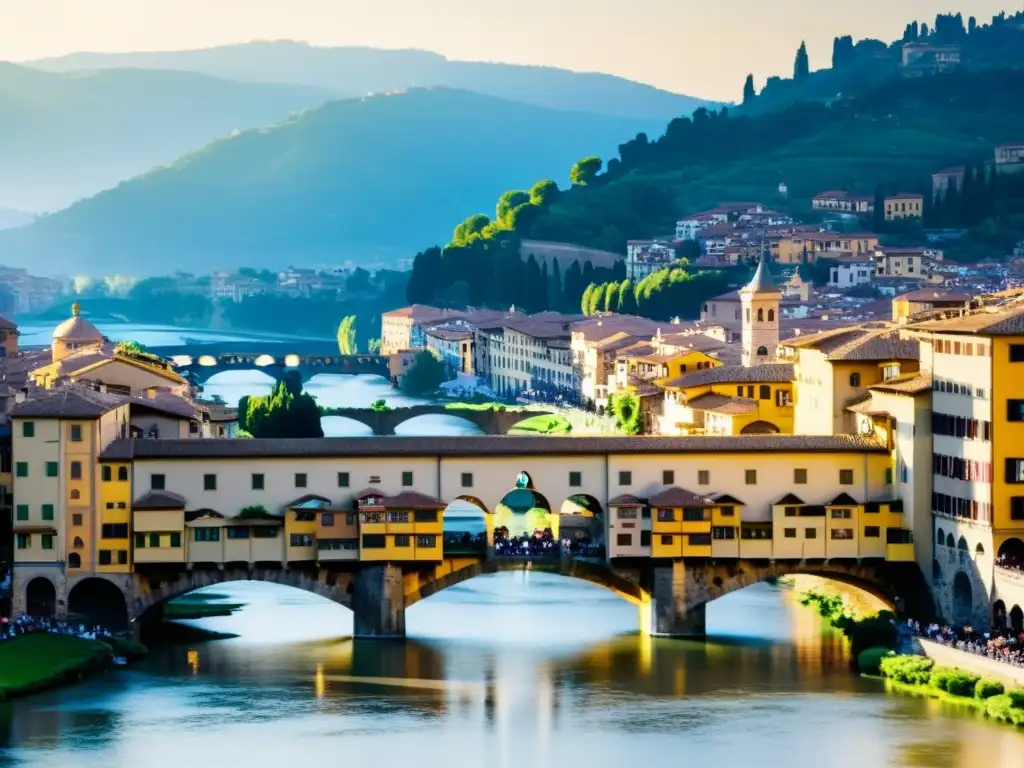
column 728, row 511
column 343, row 480
column 401, row 540
column 846, row 477
column 626, row 513
column 1015, row 470
column 800, row 476
column 105, row 474
column 1015, row 410
column 703, row 477
column 467, row 479
column 374, row 541
column 1017, row 353
column 771, row 315
column 122, row 557
column 406, row 479
column 839, row 534
column 842, row 514
column 115, row 531
column 789, row 533
column 666, row 541
column 76, row 520
column 576, row 479
column 258, row 481
column 47, row 511
column 238, row 532
column 854, row 379
column 301, row 540
column 872, row 532
column 645, row 538
column 761, row 352
column 810, row 533
column 790, row 511
column 719, row 532
column 426, row 541
column 209, row 482
column 104, row 556
column 52, row 469
column 765, row 392
column 751, row 477
column 154, row 540
column 891, row 371
column 76, row 470
column 625, row 478
column 157, row 482
column 300, row 479
column 888, row 475
column 668, row 477
column 21, row 469
column 74, row 560
column 666, row 515
column 425, row 516
column 122, row 474
column 1017, row 507
column 140, row 541
column 265, row 532
column 739, row 391
column 76, row 433
column 206, row 534
column 28, row 429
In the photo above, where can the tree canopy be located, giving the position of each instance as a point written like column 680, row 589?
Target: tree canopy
column 347, row 335
column 425, row 375
column 286, row 412
column 584, row 171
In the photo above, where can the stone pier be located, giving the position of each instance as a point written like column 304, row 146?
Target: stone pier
column 679, row 601
column 378, row 602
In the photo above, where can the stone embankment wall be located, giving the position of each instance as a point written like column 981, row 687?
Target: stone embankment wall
column 945, row 656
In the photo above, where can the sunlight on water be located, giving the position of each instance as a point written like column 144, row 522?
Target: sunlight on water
column 437, row 424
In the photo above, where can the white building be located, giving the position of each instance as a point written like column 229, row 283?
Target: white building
column 689, row 228
column 645, row 257
column 851, row 271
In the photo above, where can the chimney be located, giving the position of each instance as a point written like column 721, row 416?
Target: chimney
column 21, row 395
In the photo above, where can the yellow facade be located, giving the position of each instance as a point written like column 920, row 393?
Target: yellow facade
column 113, row 552
column 1007, row 437
column 300, row 527
column 904, row 207
column 773, row 404
column 809, row 247
column 399, row 533
column 159, row 536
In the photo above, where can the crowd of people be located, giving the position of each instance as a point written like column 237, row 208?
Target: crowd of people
column 27, row 625
column 1010, row 562
column 542, row 543
column 1004, row 644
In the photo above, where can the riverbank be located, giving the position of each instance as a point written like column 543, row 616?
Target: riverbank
column 979, row 665
column 40, row 661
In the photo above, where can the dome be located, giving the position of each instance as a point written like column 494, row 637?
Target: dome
column 76, row 328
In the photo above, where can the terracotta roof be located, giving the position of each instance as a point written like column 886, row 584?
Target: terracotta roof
column 722, row 404
column 307, row 498
column 476, row 445
column 626, row 500
column 413, row 500
column 906, row 383
column 77, row 329
column 926, row 295
column 1006, row 321
column 726, row 374
column 7, row 325
column 159, row 500
column 862, row 342
column 67, row 403
column 676, row 497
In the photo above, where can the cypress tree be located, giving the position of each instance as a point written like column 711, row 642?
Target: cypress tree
column 748, row 90
column 802, row 65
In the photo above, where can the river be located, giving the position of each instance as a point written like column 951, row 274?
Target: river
column 512, row 670
column 330, row 390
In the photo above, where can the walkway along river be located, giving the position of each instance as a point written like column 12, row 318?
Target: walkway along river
column 517, row 671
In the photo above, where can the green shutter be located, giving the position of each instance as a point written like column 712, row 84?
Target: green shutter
column 51, row 469
column 47, row 541
column 28, row 429
column 22, row 512
column 21, row 469
column 47, row 511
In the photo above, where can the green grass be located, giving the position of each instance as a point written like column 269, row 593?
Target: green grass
column 32, row 663
column 481, row 407
column 198, row 610
column 549, row 424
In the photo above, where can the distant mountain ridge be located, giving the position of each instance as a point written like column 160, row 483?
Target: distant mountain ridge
column 360, row 71
column 65, row 137
column 351, row 179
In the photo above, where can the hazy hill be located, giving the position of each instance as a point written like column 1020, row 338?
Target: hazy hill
column 63, row 137
column 351, row 179
column 370, row 70
column 10, row 217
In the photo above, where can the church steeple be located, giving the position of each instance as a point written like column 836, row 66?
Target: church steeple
column 760, row 305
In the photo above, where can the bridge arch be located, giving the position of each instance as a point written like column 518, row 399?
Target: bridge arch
column 40, row 598
column 336, row 588
column 427, row 423
column 1012, row 549
column 96, row 600
column 760, row 428
column 963, row 598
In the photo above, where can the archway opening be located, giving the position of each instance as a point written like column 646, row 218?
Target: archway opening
column 962, row 545
column 465, row 527
column 963, row 598
column 950, row 541
column 580, row 523
column 1011, row 554
column 432, row 424
column 74, row 560
column 524, row 525
column 98, row 601
column 999, row 614
column 940, row 537
column 1017, row 619
column 263, row 361
column 40, row 598
column 760, row 428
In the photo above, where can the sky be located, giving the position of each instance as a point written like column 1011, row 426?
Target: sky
column 699, row 47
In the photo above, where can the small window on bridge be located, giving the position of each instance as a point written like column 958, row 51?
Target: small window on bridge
column 789, row 533
column 106, row 474
column 122, row 474
column 406, row 479
column 257, row 481
column 209, row 482
column 751, row 476
column 343, row 479
column 401, row 540
column 105, row 558
column 703, row 477
column 790, row 511
column 625, row 478
column 157, row 482
column 624, row 539
column 575, row 479
column 846, row 477
column 668, row 477
column 810, row 533
column 800, row 476
column 300, row 479
column 872, row 532
column 467, row 479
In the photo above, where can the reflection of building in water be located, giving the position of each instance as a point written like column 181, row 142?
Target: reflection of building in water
column 193, row 661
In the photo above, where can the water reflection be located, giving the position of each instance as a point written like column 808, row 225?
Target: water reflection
column 600, row 698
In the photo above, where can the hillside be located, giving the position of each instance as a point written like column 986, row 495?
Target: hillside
column 369, row 70
column 10, row 217
column 352, row 179
column 64, row 137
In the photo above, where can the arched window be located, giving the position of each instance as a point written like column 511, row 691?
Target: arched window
column 760, row 315
column 962, row 545
column 75, row 493
column 854, row 379
column 74, row 560
column 78, row 543
column 762, row 351
column 940, row 537
column 122, row 473
column 979, row 550
column 105, row 473
column 771, row 315
column 949, row 541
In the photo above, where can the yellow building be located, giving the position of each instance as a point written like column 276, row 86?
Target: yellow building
column 407, row 527
column 158, row 525
column 906, row 205
column 808, row 247
column 730, row 400
column 685, row 524
column 300, row 526
column 833, row 367
column 904, row 307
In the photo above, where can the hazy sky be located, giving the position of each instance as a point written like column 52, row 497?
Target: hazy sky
column 701, row 47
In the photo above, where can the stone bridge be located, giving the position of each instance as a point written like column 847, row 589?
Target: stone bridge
column 490, row 422
column 203, row 366
column 672, row 595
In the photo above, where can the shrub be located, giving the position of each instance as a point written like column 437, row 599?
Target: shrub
column 868, row 661
column 912, row 670
column 954, row 681
column 1001, row 708
column 876, row 631
column 986, row 689
column 1016, row 698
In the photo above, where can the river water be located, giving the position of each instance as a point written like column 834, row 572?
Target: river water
column 513, row 671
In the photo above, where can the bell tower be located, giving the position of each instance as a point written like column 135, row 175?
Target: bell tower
column 760, row 315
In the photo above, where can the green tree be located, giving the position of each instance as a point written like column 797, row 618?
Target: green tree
column 626, row 409
column 373, row 346
column 426, row 277
column 802, row 65
column 425, row 375
column 281, row 414
column 748, row 90
column 627, row 298
column 380, row 406
column 544, row 193
column 470, row 228
column 347, row 336
column 510, row 201
column 584, row 171
column 611, row 297
column 586, row 303
column 555, row 287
